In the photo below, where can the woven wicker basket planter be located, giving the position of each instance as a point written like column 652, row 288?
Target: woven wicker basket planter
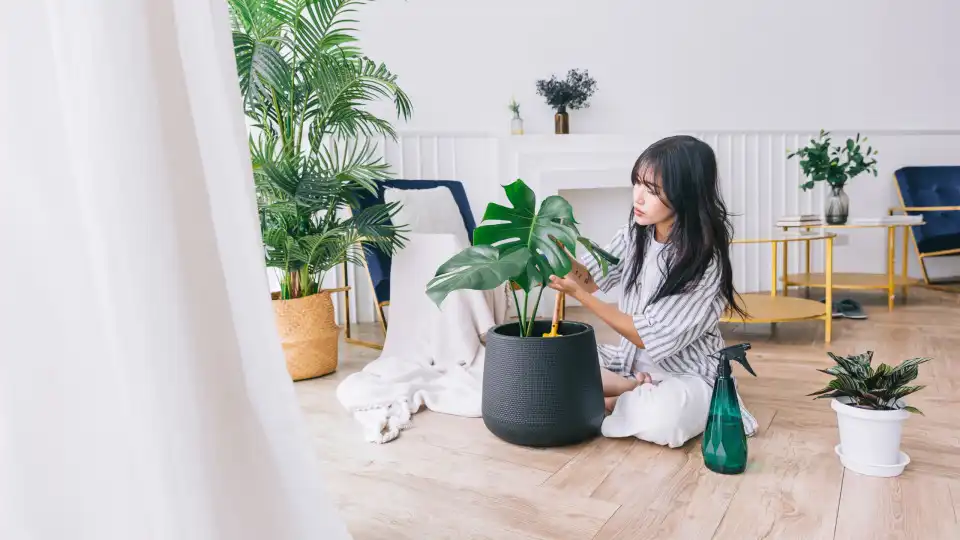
column 309, row 334
column 542, row 391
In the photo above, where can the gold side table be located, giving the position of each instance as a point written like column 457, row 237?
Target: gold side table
column 888, row 281
column 773, row 308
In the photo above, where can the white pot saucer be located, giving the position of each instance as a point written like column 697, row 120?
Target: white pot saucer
column 884, row 471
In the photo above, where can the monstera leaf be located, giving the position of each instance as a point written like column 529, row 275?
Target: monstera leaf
column 519, row 244
column 541, row 232
column 477, row 267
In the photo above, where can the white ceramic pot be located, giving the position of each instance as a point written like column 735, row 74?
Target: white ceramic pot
column 870, row 439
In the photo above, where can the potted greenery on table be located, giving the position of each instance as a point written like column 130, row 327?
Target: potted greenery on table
column 870, row 407
column 304, row 84
column 537, row 390
column 835, row 165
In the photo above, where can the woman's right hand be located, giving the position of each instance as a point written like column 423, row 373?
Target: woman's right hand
column 579, row 272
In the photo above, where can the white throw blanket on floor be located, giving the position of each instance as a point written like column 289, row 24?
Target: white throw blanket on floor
column 432, row 356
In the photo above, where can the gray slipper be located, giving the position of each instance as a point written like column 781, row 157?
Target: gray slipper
column 852, row 309
column 837, row 312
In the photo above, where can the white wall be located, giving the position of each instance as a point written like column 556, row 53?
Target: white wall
column 758, row 183
column 681, row 65
column 751, row 77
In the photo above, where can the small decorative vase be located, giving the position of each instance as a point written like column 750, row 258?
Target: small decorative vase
column 837, row 206
column 561, row 121
column 516, row 125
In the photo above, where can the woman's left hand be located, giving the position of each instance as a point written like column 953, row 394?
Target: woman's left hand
column 566, row 285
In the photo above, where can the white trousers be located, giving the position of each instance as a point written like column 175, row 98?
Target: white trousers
column 670, row 411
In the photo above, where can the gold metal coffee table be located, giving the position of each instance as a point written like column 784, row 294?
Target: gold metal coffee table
column 887, row 281
column 773, row 308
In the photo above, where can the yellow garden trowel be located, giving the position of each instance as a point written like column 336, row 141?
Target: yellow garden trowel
column 556, row 317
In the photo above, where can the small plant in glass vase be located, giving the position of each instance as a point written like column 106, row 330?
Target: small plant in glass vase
column 870, row 407
column 573, row 93
column 516, row 124
column 835, row 165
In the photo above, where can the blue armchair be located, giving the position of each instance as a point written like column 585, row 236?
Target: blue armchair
column 378, row 264
column 934, row 193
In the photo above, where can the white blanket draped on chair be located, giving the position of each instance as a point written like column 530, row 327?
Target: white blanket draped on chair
column 432, row 357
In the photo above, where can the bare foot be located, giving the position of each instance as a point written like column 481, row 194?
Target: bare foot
column 643, row 378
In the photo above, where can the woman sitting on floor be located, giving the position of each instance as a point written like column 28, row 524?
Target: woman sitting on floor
column 675, row 281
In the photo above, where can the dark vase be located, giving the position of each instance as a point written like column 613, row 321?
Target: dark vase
column 561, row 121
column 541, row 391
column 837, row 206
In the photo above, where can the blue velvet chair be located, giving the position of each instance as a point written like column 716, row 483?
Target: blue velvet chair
column 378, row 264
column 934, row 193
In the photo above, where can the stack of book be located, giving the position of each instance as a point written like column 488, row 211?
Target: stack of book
column 802, row 220
column 888, row 220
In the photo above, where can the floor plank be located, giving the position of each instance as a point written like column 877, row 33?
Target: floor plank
column 449, row 477
column 417, row 508
column 913, row 506
column 689, row 504
column 795, row 494
column 588, row 469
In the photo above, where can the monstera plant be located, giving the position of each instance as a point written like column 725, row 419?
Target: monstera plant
column 520, row 245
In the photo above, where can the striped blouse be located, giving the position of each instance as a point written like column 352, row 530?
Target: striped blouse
column 680, row 333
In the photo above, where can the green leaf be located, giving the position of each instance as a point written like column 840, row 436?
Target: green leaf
column 914, row 410
column 537, row 273
column 831, row 395
column 904, row 391
column 477, row 268
column 598, row 253
column 523, row 225
column 519, row 244
column 862, row 358
column 821, row 391
column 260, row 67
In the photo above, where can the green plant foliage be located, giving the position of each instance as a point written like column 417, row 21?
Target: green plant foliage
column 867, row 387
column 835, row 165
column 572, row 92
column 305, row 85
column 519, row 244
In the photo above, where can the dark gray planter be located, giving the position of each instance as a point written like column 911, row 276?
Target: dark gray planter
column 541, row 391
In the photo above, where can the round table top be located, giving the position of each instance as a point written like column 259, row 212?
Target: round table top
column 763, row 308
column 853, row 225
column 783, row 236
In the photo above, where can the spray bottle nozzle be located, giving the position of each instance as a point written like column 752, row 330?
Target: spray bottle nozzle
column 738, row 353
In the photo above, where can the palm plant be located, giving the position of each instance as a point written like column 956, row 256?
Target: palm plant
column 868, row 388
column 304, row 83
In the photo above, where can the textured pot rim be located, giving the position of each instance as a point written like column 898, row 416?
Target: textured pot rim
column 869, row 414
column 494, row 331
column 274, row 296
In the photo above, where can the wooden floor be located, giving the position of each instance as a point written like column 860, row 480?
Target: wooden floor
column 447, row 477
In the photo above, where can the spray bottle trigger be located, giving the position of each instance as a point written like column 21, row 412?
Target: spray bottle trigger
column 743, row 361
column 739, row 353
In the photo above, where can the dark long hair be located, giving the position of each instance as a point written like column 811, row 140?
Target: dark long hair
column 686, row 171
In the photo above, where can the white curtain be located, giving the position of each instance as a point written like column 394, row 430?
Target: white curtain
column 143, row 393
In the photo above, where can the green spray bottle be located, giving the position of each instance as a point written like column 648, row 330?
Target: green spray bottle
column 724, row 441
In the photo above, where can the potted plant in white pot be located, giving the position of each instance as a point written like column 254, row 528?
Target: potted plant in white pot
column 870, row 408
column 305, row 85
column 538, row 390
